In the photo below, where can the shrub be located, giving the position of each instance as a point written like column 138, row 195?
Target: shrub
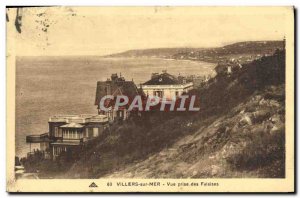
column 263, row 150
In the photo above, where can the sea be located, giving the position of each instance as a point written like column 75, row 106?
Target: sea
column 47, row 86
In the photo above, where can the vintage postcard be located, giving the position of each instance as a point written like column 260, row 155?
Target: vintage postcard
column 150, row 99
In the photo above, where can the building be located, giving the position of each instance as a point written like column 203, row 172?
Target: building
column 166, row 85
column 198, row 80
column 67, row 132
column 115, row 86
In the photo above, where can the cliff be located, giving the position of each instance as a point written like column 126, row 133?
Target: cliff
column 239, row 132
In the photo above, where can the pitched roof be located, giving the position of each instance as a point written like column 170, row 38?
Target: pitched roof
column 127, row 88
column 163, row 79
column 102, row 90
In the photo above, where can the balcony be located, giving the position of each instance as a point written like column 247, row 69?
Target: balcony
column 70, row 142
column 38, row 138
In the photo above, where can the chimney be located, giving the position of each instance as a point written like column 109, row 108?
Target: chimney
column 114, row 77
column 154, row 75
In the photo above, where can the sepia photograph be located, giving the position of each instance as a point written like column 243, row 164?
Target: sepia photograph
column 150, row 99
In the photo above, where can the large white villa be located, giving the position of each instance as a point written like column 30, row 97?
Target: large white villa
column 165, row 85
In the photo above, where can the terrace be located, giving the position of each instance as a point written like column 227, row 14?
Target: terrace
column 38, row 138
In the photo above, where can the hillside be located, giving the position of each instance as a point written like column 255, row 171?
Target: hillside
column 247, row 142
column 155, row 52
column 239, row 132
column 244, row 51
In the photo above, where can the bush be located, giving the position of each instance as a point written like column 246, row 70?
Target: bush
column 263, row 150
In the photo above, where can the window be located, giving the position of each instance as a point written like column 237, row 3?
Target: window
column 121, row 114
column 59, row 150
column 87, row 132
column 59, row 132
column 176, row 93
column 95, row 132
column 64, row 133
column 158, row 93
column 56, row 131
column 67, row 134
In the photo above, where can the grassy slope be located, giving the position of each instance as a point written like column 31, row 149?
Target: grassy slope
column 239, row 132
column 246, row 142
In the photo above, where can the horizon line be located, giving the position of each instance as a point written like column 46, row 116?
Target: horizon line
column 186, row 47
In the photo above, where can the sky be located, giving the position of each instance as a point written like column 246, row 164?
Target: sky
column 64, row 31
